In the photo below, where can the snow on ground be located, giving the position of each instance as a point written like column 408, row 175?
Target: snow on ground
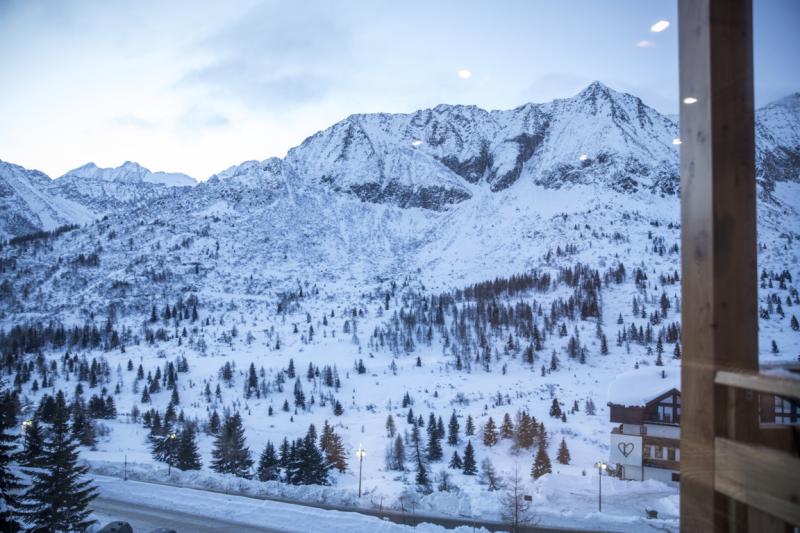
column 250, row 512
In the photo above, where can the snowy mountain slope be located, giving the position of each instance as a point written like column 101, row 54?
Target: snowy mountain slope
column 107, row 189
column 778, row 141
column 391, row 158
column 130, row 172
column 439, row 157
column 27, row 205
column 285, row 265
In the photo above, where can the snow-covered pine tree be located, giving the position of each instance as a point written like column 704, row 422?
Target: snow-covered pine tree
column 332, row 446
column 455, row 462
column 470, row 466
column 187, row 455
column 9, row 482
column 563, row 453
column 434, row 444
column 541, row 463
column 308, row 465
column 399, row 454
column 32, row 444
column 452, row 430
column 469, row 429
column 390, row 426
column 268, row 464
column 507, row 427
column 231, row 454
column 489, row 433
column 58, row 500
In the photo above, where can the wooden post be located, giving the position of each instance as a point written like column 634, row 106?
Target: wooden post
column 718, row 234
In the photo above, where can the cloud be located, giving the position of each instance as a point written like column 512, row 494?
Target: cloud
column 195, row 119
column 134, row 121
column 645, row 43
column 272, row 57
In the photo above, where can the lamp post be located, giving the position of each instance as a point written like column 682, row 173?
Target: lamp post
column 600, row 467
column 360, row 453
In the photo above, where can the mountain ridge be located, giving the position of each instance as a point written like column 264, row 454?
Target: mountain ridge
column 436, row 158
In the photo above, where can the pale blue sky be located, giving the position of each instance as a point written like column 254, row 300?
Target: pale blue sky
column 198, row 86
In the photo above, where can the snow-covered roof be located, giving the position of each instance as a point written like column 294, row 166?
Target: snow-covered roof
column 637, row 387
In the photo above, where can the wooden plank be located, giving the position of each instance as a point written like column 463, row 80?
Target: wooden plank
column 718, row 237
column 763, row 478
column 755, row 381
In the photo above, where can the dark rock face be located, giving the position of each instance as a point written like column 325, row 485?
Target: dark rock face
column 434, row 198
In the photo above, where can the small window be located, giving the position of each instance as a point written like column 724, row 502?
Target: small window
column 671, row 454
column 659, row 452
column 676, row 477
column 646, row 452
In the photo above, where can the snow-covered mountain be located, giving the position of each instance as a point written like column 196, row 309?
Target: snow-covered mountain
column 129, row 172
column 778, row 141
column 435, row 158
column 27, row 205
column 33, row 202
column 106, row 189
column 362, row 245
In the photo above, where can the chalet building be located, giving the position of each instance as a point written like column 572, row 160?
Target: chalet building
column 645, row 406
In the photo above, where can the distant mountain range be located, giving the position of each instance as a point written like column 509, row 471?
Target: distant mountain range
column 431, row 159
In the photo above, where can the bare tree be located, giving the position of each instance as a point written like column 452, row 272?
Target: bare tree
column 514, row 508
column 489, row 476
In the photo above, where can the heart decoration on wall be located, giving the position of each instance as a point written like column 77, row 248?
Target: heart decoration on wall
column 625, row 448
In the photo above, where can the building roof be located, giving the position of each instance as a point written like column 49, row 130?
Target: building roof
column 637, row 387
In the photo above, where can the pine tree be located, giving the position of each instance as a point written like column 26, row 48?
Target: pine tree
column 794, row 323
column 9, row 482
column 399, row 454
column 555, row 409
column 332, row 446
column 470, row 466
column 187, row 455
column 434, row 445
column 419, row 459
column 455, row 462
column 470, row 427
column 309, row 463
column 390, row 427
column 541, row 464
column 58, row 499
column 268, row 464
column 563, row 453
column 33, row 444
column 452, row 430
column 507, row 428
column 231, row 454
column 214, row 423
column 489, row 433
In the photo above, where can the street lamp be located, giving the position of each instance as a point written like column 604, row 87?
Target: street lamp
column 360, row 453
column 170, row 452
column 26, row 425
column 600, row 467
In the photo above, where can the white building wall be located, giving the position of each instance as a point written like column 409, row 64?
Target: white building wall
column 660, row 474
column 669, row 432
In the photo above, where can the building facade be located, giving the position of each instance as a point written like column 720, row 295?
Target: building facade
column 645, row 409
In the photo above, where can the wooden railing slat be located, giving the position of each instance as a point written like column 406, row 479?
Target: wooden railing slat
column 760, row 477
column 755, row 381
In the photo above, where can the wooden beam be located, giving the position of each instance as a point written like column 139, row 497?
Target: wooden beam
column 760, row 477
column 718, row 236
column 780, row 385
